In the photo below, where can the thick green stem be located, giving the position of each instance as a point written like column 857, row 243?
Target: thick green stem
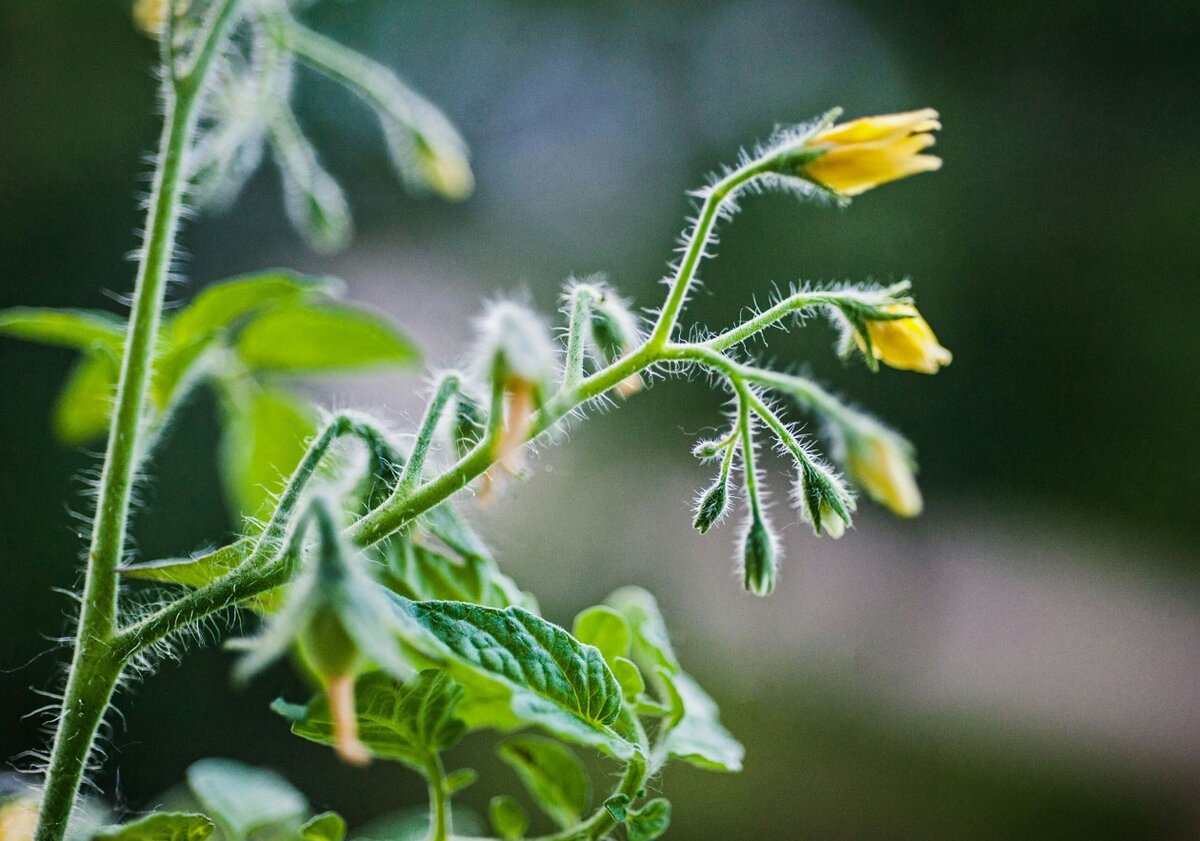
column 95, row 669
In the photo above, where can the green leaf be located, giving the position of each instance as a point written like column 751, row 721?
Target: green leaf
column 265, row 438
column 456, row 781
column 409, row 723
column 327, row 826
column 309, row 339
column 518, row 669
column 606, row 629
column 80, row 329
column 85, row 403
column 629, row 676
column 618, row 806
column 649, row 822
column 224, row 304
column 508, row 818
column 552, row 774
column 204, row 569
column 699, row 738
column 422, row 574
column 160, row 826
column 695, row 733
column 242, row 798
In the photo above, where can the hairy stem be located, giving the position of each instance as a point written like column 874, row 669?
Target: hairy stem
column 94, row 669
column 440, row 821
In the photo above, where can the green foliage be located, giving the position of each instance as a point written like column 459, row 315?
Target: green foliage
column 242, row 799
column 649, row 822
column 265, row 436
column 606, row 629
column 520, row 669
column 552, row 774
column 408, row 722
column 327, row 826
column 508, row 818
column 161, row 826
column 319, row 339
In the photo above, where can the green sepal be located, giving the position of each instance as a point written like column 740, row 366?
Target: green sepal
column 160, row 826
column 552, row 774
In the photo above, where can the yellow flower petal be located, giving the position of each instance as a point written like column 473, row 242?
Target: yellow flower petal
column 906, row 343
column 870, row 151
column 878, row 466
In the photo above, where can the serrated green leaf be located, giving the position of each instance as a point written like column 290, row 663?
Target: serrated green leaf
column 604, row 628
column 327, row 826
column 409, row 723
column 224, row 304
column 85, row 403
column 264, row 439
column 508, row 818
column 649, row 822
column 520, row 669
column 242, row 798
column 160, row 826
column 73, row 328
column 552, row 774
column 311, row 339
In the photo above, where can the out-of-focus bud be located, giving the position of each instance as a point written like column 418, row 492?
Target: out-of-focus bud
column 340, row 623
column 517, row 352
column 615, row 332
column 823, row 499
column 880, row 462
column 758, row 557
column 712, row 506
column 906, row 342
column 18, row 819
column 445, row 169
column 469, row 421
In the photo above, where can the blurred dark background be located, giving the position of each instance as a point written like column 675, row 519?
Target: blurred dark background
column 1021, row 662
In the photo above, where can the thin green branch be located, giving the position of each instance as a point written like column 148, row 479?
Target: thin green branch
column 447, row 387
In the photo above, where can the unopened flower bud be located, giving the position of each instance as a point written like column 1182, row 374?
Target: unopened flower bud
column 445, row 170
column 713, row 505
column 615, row 333
column 758, row 558
column 907, row 343
column 880, row 462
column 824, row 501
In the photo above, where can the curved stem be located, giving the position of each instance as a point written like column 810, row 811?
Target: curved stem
column 440, row 820
column 94, row 669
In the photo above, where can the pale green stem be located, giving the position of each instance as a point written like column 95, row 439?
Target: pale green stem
column 446, row 389
column 440, row 818
column 94, row 669
column 775, row 313
column 698, row 240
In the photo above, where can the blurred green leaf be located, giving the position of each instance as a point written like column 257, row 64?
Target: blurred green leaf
column 518, row 668
column 409, row 723
column 422, row 574
column 552, row 774
column 508, row 818
column 327, row 826
column 73, row 328
column 160, row 826
column 242, row 798
column 604, row 628
column 265, row 437
column 205, row 569
column 310, row 339
column 85, row 403
column 696, row 734
column 221, row 305
column 649, row 822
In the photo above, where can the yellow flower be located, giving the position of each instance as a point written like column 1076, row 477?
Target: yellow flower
column 870, row 151
column 907, row 343
column 151, row 15
column 18, row 820
column 879, row 466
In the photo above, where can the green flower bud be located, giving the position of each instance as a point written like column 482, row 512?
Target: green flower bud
column 712, row 506
column 823, row 500
column 758, row 558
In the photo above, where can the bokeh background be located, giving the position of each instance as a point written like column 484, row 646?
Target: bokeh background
column 1021, row 662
